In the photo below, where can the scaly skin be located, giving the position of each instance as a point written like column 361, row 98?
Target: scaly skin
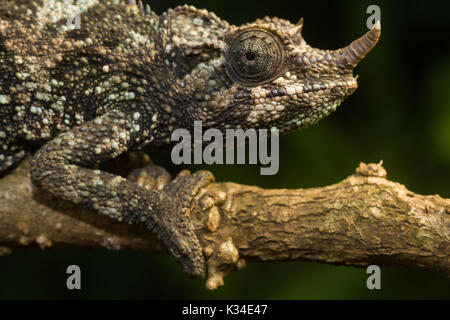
column 127, row 78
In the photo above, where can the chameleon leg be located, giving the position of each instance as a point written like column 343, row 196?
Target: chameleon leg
column 64, row 167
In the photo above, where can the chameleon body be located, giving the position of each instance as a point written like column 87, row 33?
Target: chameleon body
column 126, row 78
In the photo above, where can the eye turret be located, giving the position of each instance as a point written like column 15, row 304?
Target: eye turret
column 254, row 56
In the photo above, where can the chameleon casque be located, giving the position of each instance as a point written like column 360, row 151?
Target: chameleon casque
column 127, row 78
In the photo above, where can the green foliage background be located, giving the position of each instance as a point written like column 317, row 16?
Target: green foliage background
column 399, row 114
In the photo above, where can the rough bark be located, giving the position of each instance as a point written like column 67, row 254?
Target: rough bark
column 364, row 219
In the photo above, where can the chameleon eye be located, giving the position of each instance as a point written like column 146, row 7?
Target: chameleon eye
column 254, row 56
column 250, row 56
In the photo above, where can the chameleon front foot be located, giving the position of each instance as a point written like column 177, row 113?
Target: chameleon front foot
column 180, row 237
column 188, row 250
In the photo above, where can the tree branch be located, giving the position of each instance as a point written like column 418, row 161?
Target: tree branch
column 362, row 220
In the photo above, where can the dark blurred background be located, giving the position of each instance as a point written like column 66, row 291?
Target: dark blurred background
column 400, row 114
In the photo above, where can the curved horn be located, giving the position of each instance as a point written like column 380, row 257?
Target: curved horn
column 357, row 50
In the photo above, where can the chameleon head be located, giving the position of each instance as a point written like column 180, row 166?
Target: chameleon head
column 264, row 75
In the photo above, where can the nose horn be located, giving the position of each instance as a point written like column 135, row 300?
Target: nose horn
column 357, row 50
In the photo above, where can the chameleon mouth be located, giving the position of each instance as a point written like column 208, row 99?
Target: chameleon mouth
column 295, row 91
column 261, row 97
column 228, row 112
column 350, row 84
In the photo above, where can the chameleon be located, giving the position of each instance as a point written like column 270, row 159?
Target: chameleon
column 125, row 78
